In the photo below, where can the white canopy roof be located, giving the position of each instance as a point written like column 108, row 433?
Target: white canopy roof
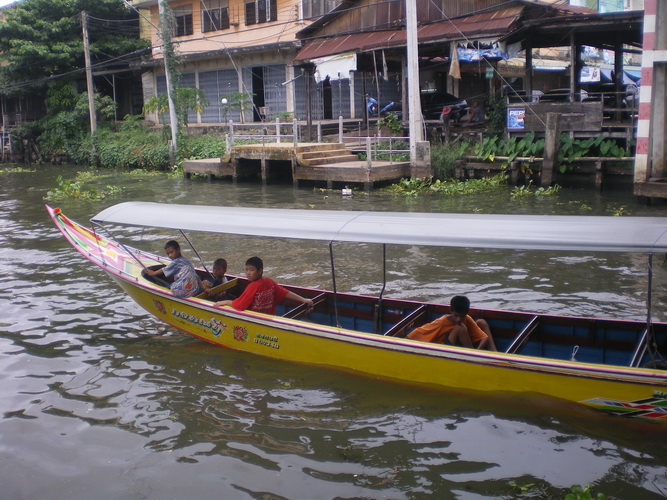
column 532, row 232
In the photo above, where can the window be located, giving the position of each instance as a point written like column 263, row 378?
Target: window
column 260, row 11
column 315, row 8
column 183, row 15
column 214, row 15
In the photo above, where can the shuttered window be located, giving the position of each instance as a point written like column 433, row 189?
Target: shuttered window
column 214, row 15
column 315, row 8
column 183, row 16
column 260, row 11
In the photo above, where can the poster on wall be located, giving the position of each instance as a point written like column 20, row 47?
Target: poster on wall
column 515, row 118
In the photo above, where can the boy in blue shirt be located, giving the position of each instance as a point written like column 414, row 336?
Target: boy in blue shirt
column 186, row 282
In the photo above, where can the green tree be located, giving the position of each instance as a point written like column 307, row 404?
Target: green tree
column 42, row 39
column 185, row 100
column 65, row 128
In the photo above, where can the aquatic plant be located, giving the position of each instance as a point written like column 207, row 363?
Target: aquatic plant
column 15, row 170
column 583, row 493
column 416, row 186
column 530, row 190
column 77, row 190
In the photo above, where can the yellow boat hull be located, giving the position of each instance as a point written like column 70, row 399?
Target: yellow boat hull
column 405, row 361
column 635, row 392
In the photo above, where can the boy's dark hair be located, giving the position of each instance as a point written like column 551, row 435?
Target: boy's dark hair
column 460, row 304
column 220, row 262
column 256, row 262
column 172, row 244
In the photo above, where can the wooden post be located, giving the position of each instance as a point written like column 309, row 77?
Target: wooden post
column 235, row 167
column 368, row 185
column 574, row 67
column 514, row 173
column 295, row 132
column 89, row 73
column 598, row 174
column 309, row 107
column 278, row 130
column 528, row 76
column 619, row 89
column 340, row 129
column 265, row 170
column 551, row 143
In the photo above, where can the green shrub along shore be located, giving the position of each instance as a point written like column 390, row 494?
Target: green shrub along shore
column 129, row 144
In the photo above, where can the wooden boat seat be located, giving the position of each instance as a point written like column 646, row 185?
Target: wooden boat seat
column 301, row 308
column 217, row 289
column 406, row 322
column 522, row 338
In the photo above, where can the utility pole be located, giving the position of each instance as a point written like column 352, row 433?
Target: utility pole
column 89, row 73
column 165, row 34
column 416, row 121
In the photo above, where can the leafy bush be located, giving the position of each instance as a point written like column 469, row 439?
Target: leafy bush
column 528, row 146
column 496, row 114
column 65, row 128
column 134, row 148
column 392, row 122
column 515, row 147
column 204, row 146
column 444, row 158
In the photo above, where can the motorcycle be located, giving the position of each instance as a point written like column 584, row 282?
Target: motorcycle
column 372, row 107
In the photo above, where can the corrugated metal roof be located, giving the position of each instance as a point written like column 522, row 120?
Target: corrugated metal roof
column 486, row 23
column 498, row 21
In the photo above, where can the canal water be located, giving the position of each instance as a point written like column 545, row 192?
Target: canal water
column 100, row 400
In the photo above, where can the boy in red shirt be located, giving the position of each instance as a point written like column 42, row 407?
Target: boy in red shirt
column 261, row 294
column 458, row 328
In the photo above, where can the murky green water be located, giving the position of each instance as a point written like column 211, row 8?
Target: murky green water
column 100, row 400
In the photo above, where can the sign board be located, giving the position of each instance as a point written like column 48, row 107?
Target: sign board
column 589, row 74
column 574, row 116
column 489, row 73
column 515, row 117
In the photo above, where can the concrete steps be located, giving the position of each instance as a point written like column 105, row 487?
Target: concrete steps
column 324, row 154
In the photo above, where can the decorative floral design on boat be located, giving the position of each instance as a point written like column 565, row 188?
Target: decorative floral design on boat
column 240, row 333
column 159, row 306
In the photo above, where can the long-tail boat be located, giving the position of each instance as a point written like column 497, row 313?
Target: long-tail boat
column 608, row 364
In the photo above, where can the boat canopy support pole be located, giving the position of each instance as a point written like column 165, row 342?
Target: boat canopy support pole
column 378, row 306
column 333, row 280
column 651, row 344
column 196, row 253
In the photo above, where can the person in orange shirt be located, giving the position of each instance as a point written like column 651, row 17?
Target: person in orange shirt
column 457, row 328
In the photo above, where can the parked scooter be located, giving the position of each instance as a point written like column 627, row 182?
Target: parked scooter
column 372, row 107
